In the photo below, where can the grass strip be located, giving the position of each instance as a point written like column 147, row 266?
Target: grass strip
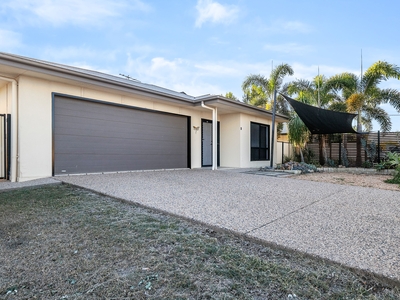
column 62, row 242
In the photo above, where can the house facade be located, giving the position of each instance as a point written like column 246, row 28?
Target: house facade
column 62, row 120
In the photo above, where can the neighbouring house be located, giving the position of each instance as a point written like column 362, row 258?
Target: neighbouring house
column 59, row 120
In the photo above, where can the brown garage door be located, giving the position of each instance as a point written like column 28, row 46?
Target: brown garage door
column 91, row 137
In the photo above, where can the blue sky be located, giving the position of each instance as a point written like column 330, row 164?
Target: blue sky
column 205, row 46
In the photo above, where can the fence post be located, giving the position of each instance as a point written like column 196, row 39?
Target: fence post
column 340, row 150
column 379, row 147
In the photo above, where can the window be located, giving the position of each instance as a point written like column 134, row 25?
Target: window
column 259, row 141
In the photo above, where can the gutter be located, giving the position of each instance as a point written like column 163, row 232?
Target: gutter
column 214, row 136
column 215, row 100
column 14, row 126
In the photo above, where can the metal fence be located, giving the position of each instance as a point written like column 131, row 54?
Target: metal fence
column 384, row 141
column 284, row 149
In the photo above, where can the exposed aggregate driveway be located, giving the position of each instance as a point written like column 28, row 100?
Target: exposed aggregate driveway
column 355, row 226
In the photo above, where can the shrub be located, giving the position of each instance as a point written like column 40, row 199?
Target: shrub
column 345, row 160
column 392, row 161
column 331, row 163
column 370, row 149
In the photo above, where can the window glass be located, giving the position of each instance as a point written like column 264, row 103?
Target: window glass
column 259, row 142
column 255, row 133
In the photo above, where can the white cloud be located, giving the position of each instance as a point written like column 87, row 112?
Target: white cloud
column 292, row 48
column 72, row 53
column 82, row 57
column 296, row 27
column 214, row 12
column 283, row 27
column 9, row 40
column 310, row 71
column 194, row 78
column 59, row 12
column 216, row 69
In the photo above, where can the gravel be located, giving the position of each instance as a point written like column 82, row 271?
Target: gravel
column 364, row 180
column 355, row 226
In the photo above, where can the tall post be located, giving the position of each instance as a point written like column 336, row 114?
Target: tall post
column 340, row 150
column 379, row 147
column 273, row 132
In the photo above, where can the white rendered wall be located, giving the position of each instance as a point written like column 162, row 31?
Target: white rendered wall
column 245, row 161
column 35, row 121
column 34, row 129
column 35, row 124
column 3, row 99
column 230, row 138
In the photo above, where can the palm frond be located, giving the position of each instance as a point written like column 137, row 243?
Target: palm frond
column 338, row 106
column 377, row 72
column 380, row 115
column 277, row 75
column 392, row 97
column 343, row 81
column 257, row 80
column 355, row 102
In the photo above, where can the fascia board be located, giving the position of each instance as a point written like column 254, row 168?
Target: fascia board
column 240, row 106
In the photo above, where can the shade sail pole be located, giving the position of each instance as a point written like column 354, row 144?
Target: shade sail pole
column 273, row 132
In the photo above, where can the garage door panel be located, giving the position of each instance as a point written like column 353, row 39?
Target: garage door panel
column 95, row 137
column 152, row 148
column 117, row 114
column 135, row 132
column 112, row 163
column 76, row 126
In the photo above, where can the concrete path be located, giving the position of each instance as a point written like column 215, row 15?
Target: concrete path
column 355, row 226
column 7, row 185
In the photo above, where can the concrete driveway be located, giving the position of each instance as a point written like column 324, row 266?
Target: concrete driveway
column 355, row 226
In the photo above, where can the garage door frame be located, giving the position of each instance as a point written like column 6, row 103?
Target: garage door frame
column 54, row 95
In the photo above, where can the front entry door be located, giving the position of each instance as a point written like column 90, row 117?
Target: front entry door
column 5, row 145
column 207, row 142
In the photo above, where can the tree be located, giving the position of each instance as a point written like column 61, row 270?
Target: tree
column 298, row 133
column 259, row 90
column 317, row 93
column 230, row 95
column 363, row 96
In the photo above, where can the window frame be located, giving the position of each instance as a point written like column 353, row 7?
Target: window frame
column 261, row 149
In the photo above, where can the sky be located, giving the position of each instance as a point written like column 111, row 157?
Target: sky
column 206, row 46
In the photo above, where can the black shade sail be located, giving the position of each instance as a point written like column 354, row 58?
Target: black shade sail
column 322, row 121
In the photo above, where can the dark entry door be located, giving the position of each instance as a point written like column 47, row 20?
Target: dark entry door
column 5, row 145
column 207, row 142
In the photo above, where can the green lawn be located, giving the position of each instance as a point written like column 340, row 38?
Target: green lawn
column 61, row 242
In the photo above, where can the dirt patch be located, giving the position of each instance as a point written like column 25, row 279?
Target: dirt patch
column 364, row 180
column 61, row 242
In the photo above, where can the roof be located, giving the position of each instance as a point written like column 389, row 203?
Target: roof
column 18, row 62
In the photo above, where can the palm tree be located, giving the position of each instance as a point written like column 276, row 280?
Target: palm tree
column 298, row 133
column 259, row 90
column 316, row 93
column 363, row 96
